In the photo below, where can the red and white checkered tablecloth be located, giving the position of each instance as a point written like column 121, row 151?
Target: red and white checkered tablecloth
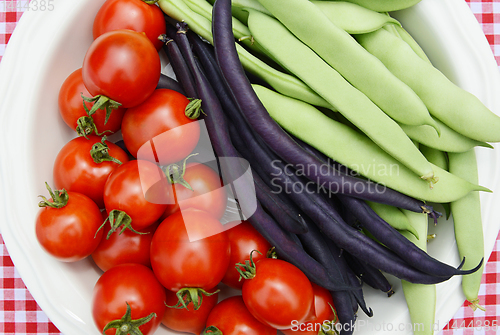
column 20, row 314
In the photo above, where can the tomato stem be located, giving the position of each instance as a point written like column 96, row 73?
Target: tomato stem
column 85, row 126
column 213, row 330
column 59, row 198
column 100, row 102
column 191, row 294
column 118, row 219
column 247, row 269
column 100, row 153
column 126, row 325
column 175, row 174
column 193, row 109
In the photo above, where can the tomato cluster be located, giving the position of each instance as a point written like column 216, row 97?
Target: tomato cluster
column 150, row 220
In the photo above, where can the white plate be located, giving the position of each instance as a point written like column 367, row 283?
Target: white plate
column 48, row 45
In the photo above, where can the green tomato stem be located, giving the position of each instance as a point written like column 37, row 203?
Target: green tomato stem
column 59, row 198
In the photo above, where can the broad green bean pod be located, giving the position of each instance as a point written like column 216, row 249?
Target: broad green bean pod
column 385, row 5
column 276, row 39
column 341, row 51
column 448, row 141
column 457, row 108
column 356, row 151
column 401, row 32
column 280, row 81
column 468, row 225
column 394, row 217
column 421, row 299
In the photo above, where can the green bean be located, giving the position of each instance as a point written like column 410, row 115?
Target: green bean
column 356, row 151
column 281, row 82
column 448, row 141
column 420, row 298
column 457, row 108
column 468, row 225
column 405, row 36
column 385, row 5
column 393, row 216
column 329, row 84
column 353, row 18
column 440, row 159
column 341, row 51
column 348, row 16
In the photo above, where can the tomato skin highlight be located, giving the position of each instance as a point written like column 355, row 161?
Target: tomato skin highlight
column 70, row 103
column 188, row 320
column 124, row 247
column 132, row 186
column 232, row 317
column 134, row 284
column 279, row 294
column 207, row 194
column 323, row 304
column 75, row 170
column 122, row 65
column 161, row 118
column 244, row 239
column 70, row 233
column 179, row 263
column 135, row 15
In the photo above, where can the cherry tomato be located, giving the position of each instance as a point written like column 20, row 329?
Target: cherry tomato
column 124, row 247
column 207, row 192
column 323, row 304
column 279, row 294
column 132, row 284
column 179, row 263
column 135, row 15
column 75, row 169
column 188, row 320
column 232, row 317
column 122, row 65
column 161, row 118
column 244, row 239
column 69, row 233
column 137, row 188
column 71, row 107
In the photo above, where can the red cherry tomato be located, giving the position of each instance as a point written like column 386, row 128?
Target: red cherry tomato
column 161, row 118
column 279, row 294
column 232, row 317
column 207, row 192
column 188, row 320
column 122, row 65
column 71, row 106
column 244, row 239
column 323, row 304
column 135, row 15
column 75, row 169
column 124, row 247
column 132, row 284
column 137, row 188
column 179, row 263
column 69, row 233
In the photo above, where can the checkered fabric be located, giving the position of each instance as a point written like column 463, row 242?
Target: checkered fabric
column 20, row 314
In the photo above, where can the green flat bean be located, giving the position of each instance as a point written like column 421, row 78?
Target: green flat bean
column 440, row 159
column 394, row 217
column 468, row 225
column 405, row 36
column 457, row 108
column 281, row 82
column 420, row 298
column 356, row 151
column 329, row 84
column 348, row 16
column 353, row 18
column 385, row 5
column 341, row 51
column 448, row 141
